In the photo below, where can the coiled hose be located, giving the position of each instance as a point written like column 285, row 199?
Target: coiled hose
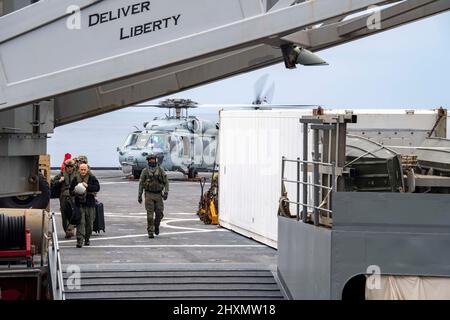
column 12, row 232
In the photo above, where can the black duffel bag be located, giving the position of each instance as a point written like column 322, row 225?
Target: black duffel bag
column 55, row 191
column 73, row 213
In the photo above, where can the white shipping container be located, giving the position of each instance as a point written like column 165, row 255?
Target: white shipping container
column 252, row 143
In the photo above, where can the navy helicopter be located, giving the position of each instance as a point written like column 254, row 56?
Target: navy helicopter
column 181, row 142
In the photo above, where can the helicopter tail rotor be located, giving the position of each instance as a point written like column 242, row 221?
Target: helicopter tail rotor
column 259, row 88
column 269, row 93
column 263, row 95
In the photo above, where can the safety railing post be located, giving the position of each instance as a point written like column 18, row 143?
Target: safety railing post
column 316, row 176
column 282, row 174
column 43, row 238
column 305, row 171
column 56, row 265
column 333, row 185
column 298, row 189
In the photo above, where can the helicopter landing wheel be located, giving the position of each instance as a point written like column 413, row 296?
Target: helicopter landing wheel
column 192, row 173
column 136, row 174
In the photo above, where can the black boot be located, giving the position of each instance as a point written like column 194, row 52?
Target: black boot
column 156, row 230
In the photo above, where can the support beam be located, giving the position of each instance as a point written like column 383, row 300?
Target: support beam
column 101, row 99
column 333, row 35
column 23, row 137
column 348, row 27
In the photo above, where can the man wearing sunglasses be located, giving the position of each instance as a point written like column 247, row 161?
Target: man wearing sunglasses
column 62, row 182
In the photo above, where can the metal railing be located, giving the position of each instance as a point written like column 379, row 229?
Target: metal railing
column 318, row 206
column 54, row 264
column 328, row 149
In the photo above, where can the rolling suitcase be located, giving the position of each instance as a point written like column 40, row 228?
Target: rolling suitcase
column 99, row 222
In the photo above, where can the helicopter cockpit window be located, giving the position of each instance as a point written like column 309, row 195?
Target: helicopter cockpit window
column 131, row 140
column 142, row 140
column 157, row 142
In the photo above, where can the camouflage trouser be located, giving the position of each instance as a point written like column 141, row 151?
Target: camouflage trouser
column 62, row 206
column 84, row 229
column 153, row 204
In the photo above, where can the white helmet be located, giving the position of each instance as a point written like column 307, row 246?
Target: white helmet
column 80, row 189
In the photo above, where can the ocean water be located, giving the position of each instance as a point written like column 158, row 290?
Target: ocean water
column 99, row 137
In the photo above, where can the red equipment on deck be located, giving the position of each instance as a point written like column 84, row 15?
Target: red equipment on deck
column 19, row 279
column 15, row 239
column 19, row 254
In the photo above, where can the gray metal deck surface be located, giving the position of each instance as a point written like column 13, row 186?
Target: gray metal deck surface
column 188, row 260
column 198, row 281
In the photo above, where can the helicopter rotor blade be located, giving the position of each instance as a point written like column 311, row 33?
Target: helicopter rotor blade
column 268, row 97
column 238, row 105
column 147, row 106
column 265, row 107
column 259, row 87
column 162, row 106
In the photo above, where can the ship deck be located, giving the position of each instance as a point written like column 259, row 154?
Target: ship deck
column 183, row 238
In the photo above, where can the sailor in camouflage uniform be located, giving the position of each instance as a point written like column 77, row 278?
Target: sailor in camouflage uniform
column 62, row 181
column 154, row 181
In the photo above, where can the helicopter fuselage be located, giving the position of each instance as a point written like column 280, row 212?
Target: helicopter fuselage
column 181, row 144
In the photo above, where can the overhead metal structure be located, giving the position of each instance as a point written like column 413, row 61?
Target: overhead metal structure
column 109, row 63
column 88, row 57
